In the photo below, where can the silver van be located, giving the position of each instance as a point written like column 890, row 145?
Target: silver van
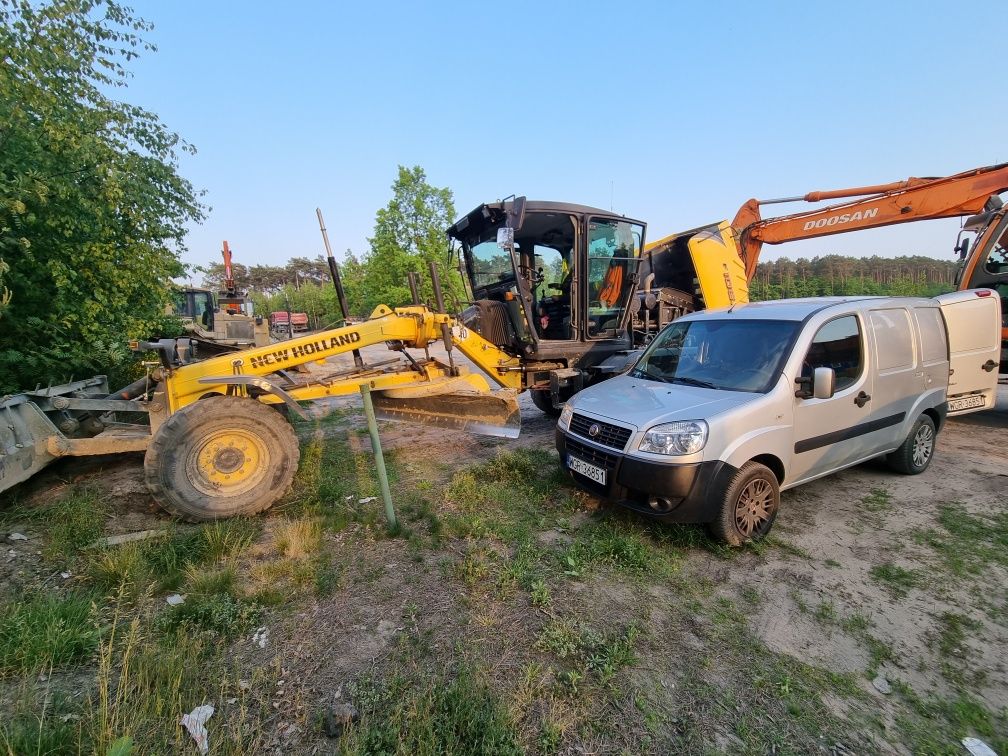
column 726, row 408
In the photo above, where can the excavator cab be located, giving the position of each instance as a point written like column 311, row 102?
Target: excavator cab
column 984, row 262
column 550, row 283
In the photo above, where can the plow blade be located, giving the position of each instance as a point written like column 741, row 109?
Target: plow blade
column 492, row 413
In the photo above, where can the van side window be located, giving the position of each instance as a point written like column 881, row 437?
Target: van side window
column 837, row 345
column 894, row 341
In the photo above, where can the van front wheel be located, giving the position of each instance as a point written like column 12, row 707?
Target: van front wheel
column 915, row 453
column 748, row 506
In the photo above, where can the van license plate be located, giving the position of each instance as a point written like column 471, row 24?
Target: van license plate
column 589, row 471
column 966, row 402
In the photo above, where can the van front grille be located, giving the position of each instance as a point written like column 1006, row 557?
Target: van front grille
column 608, row 435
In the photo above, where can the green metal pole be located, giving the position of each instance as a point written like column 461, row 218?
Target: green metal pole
column 372, row 423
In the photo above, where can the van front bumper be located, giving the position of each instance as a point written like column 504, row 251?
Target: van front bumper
column 672, row 492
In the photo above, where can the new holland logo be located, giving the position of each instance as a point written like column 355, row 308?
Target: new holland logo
column 305, row 350
column 594, row 430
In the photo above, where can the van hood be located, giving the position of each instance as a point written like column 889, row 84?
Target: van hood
column 644, row 403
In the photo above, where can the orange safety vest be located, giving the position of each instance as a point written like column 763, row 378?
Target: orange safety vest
column 612, row 285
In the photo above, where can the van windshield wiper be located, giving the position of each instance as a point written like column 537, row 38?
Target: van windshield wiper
column 692, row 381
column 646, row 374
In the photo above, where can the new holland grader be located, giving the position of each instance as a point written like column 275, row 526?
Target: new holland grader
column 553, row 290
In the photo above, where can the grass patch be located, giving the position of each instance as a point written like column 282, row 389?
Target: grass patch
column 506, row 497
column 30, row 727
column 950, row 643
column 331, row 478
column 878, row 500
column 620, row 544
column 742, row 685
column 218, row 614
column 936, row 725
column 897, row 580
column 46, row 630
column 965, row 544
column 590, row 653
column 164, row 562
column 71, row 522
column 298, row 538
column 787, row 547
column 458, row 714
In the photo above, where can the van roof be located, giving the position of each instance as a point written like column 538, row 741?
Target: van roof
column 800, row 309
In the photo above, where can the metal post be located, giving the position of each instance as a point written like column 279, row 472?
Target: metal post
column 414, row 291
column 372, row 422
column 446, row 335
column 337, row 282
column 290, row 318
column 436, row 283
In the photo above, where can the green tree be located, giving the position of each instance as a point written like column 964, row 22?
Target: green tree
column 409, row 234
column 93, row 211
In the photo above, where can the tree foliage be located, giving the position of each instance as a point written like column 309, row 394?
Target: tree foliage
column 409, row 235
column 92, row 208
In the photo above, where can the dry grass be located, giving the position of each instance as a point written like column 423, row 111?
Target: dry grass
column 295, row 538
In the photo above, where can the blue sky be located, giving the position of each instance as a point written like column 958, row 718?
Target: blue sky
column 673, row 113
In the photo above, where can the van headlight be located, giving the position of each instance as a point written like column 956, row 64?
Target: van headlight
column 684, row 437
column 565, row 416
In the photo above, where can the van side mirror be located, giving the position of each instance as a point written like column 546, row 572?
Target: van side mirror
column 823, row 383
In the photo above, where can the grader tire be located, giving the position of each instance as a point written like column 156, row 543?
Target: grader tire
column 220, row 457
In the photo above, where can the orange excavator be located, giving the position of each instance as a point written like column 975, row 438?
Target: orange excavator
column 982, row 245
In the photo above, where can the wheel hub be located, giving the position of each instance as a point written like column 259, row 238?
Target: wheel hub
column 228, row 462
column 229, row 459
column 753, row 507
column 922, row 446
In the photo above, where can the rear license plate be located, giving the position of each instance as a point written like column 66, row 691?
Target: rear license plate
column 966, row 402
column 598, row 474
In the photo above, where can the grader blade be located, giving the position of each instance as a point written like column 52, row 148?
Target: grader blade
column 491, row 413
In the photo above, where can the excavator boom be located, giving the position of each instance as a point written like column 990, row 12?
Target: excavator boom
column 229, row 282
column 914, row 199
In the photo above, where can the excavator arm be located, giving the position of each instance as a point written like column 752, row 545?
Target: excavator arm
column 914, row 199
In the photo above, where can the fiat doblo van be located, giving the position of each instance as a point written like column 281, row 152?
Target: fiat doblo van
column 726, row 408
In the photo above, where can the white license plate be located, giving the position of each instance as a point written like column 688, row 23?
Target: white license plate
column 589, row 471
column 966, row 402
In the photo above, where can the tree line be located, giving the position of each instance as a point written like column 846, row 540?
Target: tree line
column 836, row 275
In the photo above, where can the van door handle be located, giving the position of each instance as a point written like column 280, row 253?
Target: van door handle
column 989, row 365
column 862, row 399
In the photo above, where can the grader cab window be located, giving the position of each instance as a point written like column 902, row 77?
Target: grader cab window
column 491, row 265
column 614, row 249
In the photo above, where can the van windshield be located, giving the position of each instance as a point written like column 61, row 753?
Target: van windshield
column 733, row 355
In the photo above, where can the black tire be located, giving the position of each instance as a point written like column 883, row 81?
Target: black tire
column 220, row 457
column 749, row 506
column 915, row 453
column 544, row 401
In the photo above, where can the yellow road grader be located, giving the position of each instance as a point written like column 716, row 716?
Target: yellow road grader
column 553, row 286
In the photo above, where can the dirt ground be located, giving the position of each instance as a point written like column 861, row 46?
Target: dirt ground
column 896, row 584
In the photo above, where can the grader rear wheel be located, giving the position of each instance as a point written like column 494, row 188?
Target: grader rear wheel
column 219, row 457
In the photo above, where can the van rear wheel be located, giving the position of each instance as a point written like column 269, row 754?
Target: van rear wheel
column 749, row 506
column 915, row 453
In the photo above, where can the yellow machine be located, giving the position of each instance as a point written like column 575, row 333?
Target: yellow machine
column 554, row 290
column 216, row 444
